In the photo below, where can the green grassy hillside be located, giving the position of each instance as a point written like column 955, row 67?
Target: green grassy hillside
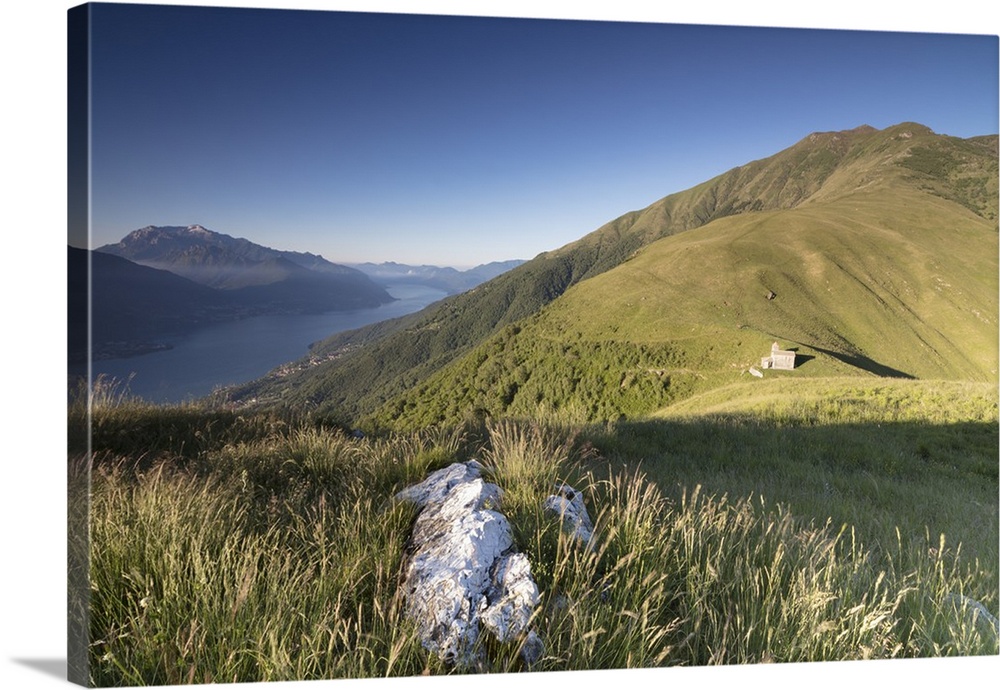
column 889, row 283
column 879, row 247
column 893, row 454
column 886, row 282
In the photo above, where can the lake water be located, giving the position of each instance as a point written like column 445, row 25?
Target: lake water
column 240, row 351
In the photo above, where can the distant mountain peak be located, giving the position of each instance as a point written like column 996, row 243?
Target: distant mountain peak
column 848, row 137
column 841, row 134
column 175, row 230
column 235, row 263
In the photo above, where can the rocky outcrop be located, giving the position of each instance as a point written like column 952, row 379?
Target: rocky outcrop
column 463, row 573
column 567, row 503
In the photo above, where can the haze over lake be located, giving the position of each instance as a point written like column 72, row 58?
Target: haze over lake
column 239, row 351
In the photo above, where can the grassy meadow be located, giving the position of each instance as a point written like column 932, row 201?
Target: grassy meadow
column 847, row 509
column 857, row 519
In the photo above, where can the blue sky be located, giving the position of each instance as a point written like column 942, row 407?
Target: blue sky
column 460, row 140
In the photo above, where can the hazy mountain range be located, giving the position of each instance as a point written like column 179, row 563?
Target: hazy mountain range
column 451, row 280
column 158, row 282
column 867, row 252
column 230, row 263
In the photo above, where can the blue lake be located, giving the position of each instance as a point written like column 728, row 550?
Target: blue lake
column 240, row 351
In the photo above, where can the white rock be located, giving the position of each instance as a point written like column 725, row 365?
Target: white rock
column 463, row 572
column 437, row 484
column 568, row 504
column 514, row 596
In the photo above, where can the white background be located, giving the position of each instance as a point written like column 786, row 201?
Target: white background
column 33, row 333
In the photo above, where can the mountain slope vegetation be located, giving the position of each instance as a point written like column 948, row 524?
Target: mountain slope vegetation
column 698, row 310
column 870, row 252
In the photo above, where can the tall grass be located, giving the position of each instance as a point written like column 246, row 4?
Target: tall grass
column 273, row 558
column 273, row 551
column 761, row 586
column 194, row 582
column 711, row 580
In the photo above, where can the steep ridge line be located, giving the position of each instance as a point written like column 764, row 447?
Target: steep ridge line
column 817, row 171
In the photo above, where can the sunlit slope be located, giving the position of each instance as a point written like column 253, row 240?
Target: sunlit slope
column 879, row 245
column 844, row 400
column 900, row 284
column 886, row 281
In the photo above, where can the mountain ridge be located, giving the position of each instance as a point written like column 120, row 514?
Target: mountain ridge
column 257, row 277
column 160, row 282
column 951, row 179
column 216, row 259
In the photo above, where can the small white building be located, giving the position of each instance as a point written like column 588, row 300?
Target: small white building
column 779, row 359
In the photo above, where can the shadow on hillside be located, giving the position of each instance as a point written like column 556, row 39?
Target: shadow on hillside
column 942, row 477
column 864, row 363
column 887, row 449
column 801, row 359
